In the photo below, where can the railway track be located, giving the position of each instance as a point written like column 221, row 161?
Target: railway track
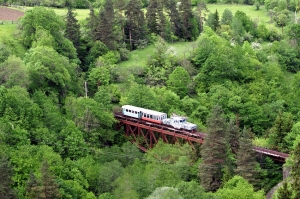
column 276, row 155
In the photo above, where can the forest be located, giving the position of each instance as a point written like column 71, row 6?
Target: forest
column 62, row 78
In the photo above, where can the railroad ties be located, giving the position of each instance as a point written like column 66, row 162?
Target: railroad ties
column 146, row 134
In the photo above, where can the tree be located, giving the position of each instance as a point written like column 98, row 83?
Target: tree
column 284, row 191
column 213, row 21
column 72, row 29
column 6, row 171
column 135, row 23
column 92, row 24
column 238, row 187
column 213, row 151
column 186, row 15
column 282, row 20
column 232, row 135
column 282, row 126
column 165, row 192
column 246, row 159
column 296, row 171
column 13, row 72
column 226, row 17
column 160, row 64
column 50, row 187
column 92, row 118
column 293, row 32
column 141, row 96
column 105, row 27
column 74, row 145
column 4, row 52
column 179, row 81
column 191, row 190
column 151, row 16
column 48, row 70
column 174, row 16
column 43, row 18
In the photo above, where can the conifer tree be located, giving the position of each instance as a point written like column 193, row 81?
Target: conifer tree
column 92, row 23
column 43, row 188
column 186, row 15
column 295, row 173
column 201, row 12
column 246, row 158
column 135, row 24
column 232, row 136
column 33, row 188
column 282, row 126
column 213, row 151
column 284, row 192
column 105, row 26
column 173, row 13
column 216, row 22
column 50, row 187
column 151, row 16
column 6, row 192
column 120, row 6
column 72, row 29
column 161, row 23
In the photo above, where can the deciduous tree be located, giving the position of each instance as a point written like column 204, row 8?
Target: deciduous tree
column 179, row 81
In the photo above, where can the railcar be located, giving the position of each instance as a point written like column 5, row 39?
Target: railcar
column 144, row 114
column 157, row 117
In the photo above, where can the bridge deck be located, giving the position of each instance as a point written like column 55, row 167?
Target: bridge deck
column 197, row 137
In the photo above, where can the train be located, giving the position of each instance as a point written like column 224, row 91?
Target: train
column 177, row 122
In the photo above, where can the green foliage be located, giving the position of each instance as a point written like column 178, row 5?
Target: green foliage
column 282, row 126
column 72, row 29
column 270, row 173
column 213, row 151
column 178, row 81
column 296, row 171
column 141, row 96
column 165, row 192
column 48, row 70
column 4, row 52
column 13, row 72
column 238, row 187
column 245, row 159
column 40, row 17
column 6, row 172
column 98, row 49
column 92, row 119
column 226, row 17
column 284, row 191
column 191, row 190
column 160, row 64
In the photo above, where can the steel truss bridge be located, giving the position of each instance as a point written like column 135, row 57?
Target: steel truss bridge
column 146, row 134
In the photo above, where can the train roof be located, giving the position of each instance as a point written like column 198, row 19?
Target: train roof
column 148, row 111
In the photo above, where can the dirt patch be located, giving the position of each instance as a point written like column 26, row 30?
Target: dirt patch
column 10, row 14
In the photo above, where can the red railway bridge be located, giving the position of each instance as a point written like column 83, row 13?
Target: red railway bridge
column 146, row 134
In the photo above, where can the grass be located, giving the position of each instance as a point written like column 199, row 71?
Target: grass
column 81, row 14
column 7, row 37
column 261, row 15
column 139, row 57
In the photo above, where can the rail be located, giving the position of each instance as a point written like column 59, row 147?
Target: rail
column 190, row 136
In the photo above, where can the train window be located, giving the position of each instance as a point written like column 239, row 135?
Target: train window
column 135, row 112
column 129, row 111
column 126, row 110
